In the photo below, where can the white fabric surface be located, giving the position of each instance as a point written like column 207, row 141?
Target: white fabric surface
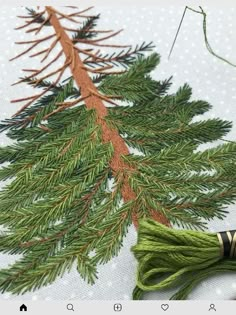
column 211, row 80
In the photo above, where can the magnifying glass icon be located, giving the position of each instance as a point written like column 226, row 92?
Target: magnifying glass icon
column 70, row 307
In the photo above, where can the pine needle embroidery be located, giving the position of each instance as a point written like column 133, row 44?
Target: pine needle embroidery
column 75, row 187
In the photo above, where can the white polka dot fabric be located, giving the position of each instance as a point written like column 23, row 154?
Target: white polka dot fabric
column 211, row 80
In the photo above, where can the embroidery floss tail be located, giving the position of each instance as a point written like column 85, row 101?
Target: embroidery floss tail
column 204, row 26
column 169, row 258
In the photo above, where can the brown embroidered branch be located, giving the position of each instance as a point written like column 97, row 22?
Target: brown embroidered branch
column 36, row 72
column 92, row 98
column 53, row 45
column 103, row 38
column 65, row 105
column 88, row 199
column 66, row 16
column 102, row 70
column 86, row 31
column 38, row 15
column 86, row 85
column 36, row 40
column 39, row 53
column 45, row 91
column 94, row 43
column 42, row 24
column 96, row 58
column 80, row 12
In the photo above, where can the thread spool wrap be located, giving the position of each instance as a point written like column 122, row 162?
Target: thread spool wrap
column 227, row 240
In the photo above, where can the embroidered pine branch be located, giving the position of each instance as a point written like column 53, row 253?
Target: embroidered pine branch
column 76, row 188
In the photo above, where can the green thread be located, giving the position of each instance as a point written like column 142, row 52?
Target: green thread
column 169, row 258
column 204, row 25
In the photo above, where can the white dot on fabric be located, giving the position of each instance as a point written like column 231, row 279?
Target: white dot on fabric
column 34, row 298
column 218, row 291
column 233, row 285
column 114, row 266
column 6, row 296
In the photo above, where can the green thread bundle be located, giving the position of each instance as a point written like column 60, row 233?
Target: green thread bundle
column 169, row 258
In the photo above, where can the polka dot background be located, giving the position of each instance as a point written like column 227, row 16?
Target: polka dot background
column 211, row 80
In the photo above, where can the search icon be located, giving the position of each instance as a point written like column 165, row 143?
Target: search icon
column 70, row 307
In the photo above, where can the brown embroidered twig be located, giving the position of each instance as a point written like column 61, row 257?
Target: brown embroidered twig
column 36, row 72
column 92, row 98
column 100, row 45
column 31, row 21
column 53, row 45
column 62, row 69
column 40, row 40
column 86, row 31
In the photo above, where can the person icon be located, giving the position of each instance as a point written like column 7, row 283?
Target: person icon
column 212, row 307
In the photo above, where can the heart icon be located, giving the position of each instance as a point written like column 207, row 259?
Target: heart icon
column 165, row 307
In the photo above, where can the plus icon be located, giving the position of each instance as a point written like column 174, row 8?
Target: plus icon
column 117, row 307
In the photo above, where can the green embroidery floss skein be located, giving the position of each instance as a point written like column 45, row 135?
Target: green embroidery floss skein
column 169, row 258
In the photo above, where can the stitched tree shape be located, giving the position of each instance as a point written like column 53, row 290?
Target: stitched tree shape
column 76, row 187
